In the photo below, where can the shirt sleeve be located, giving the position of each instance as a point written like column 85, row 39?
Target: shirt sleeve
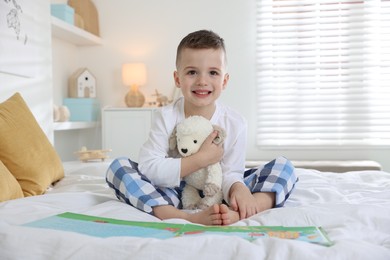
column 233, row 162
column 153, row 157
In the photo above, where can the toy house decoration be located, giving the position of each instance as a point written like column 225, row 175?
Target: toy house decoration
column 82, row 84
column 82, row 102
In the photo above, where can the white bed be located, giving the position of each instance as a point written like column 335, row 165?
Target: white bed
column 352, row 207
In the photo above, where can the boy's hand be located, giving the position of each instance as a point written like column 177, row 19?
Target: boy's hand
column 209, row 151
column 242, row 201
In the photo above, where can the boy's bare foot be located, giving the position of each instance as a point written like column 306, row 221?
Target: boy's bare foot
column 209, row 216
column 228, row 216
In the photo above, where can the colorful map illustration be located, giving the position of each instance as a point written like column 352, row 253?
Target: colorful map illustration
column 107, row 227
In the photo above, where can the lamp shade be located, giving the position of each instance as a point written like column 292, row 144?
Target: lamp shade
column 134, row 74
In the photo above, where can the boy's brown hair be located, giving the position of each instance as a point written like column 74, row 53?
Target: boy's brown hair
column 202, row 39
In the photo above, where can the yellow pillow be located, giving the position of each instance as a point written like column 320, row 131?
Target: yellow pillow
column 25, row 149
column 9, row 187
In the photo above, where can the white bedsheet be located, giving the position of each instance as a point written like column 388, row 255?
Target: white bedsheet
column 354, row 209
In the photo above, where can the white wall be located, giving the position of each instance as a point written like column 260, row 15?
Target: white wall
column 25, row 62
column 149, row 31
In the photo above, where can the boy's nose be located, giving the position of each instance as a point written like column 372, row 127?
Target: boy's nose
column 201, row 83
column 202, row 80
column 184, row 150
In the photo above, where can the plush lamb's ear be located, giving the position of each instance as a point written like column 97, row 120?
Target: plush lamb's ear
column 172, row 140
column 221, row 134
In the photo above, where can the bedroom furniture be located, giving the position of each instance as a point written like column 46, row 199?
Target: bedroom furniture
column 80, row 133
column 65, row 126
column 353, row 208
column 328, row 165
column 73, row 34
column 124, row 130
column 78, row 37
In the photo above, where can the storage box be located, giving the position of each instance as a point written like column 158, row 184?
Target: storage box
column 63, row 12
column 83, row 109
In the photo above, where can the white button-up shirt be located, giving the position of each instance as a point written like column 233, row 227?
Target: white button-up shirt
column 163, row 171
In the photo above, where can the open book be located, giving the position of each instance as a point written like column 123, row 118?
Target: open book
column 107, row 227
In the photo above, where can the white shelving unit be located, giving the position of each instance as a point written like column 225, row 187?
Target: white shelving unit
column 71, row 136
column 73, row 34
column 63, row 126
column 79, row 37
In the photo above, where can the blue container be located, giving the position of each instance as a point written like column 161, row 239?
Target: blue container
column 63, row 12
column 83, row 109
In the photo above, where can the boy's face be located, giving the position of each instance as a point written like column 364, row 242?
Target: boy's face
column 201, row 75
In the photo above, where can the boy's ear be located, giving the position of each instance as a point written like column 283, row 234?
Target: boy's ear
column 176, row 78
column 221, row 134
column 172, row 140
column 225, row 80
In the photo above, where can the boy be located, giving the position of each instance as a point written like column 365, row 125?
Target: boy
column 154, row 185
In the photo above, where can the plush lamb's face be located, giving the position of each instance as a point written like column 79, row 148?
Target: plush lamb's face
column 188, row 145
column 191, row 134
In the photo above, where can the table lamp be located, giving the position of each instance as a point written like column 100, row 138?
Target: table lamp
column 134, row 75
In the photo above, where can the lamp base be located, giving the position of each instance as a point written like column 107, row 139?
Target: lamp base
column 134, row 99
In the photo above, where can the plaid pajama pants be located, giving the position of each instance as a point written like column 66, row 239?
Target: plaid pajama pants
column 135, row 189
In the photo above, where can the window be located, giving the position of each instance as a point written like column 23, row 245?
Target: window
column 323, row 70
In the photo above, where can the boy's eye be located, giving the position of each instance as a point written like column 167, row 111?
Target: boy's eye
column 214, row 73
column 191, row 72
column 195, row 141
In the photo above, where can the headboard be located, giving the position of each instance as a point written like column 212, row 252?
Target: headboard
column 328, row 165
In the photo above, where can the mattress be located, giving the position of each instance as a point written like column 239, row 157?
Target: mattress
column 353, row 208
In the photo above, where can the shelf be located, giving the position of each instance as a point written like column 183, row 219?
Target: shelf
column 70, row 33
column 63, row 126
column 109, row 108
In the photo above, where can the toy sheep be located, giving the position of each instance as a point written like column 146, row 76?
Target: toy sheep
column 187, row 138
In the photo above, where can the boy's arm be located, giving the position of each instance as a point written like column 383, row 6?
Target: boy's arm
column 153, row 157
column 209, row 153
column 233, row 163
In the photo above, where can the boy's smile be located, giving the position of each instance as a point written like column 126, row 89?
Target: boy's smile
column 201, row 93
column 201, row 75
